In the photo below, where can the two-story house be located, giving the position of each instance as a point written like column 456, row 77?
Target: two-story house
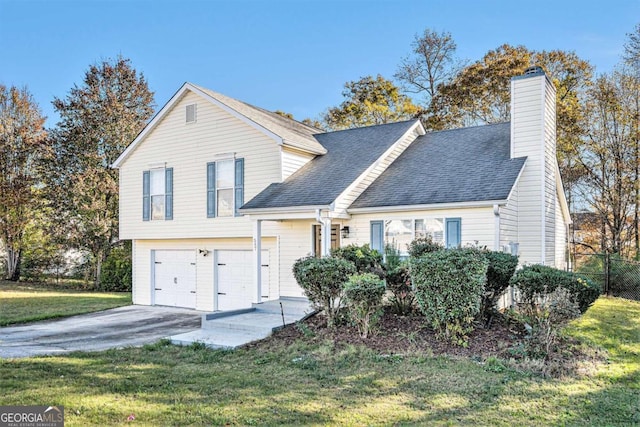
column 220, row 197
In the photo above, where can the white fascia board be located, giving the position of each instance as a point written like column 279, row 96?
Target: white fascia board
column 564, row 205
column 150, row 126
column 290, row 212
column 434, row 206
column 416, row 128
column 515, row 183
column 275, row 216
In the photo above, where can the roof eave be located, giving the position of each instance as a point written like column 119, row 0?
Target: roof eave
column 425, row 207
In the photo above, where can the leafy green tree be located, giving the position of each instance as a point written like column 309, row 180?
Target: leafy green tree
column 370, row 101
column 22, row 143
column 98, row 119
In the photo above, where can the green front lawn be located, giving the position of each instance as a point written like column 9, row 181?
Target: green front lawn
column 315, row 382
column 21, row 302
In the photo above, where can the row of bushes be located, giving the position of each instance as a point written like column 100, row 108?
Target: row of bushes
column 452, row 288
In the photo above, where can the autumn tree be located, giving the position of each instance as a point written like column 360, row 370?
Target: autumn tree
column 370, row 101
column 480, row 93
column 632, row 67
column 22, row 143
column 608, row 158
column 98, row 119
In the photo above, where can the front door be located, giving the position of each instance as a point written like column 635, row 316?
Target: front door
column 317, row 240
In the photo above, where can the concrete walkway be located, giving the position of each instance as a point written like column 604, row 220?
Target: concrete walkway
column 235, row 328
column 133, row 325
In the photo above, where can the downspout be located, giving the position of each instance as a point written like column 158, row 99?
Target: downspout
column 496, row 222
column 324, row 233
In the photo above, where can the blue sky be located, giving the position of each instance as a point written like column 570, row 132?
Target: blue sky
column 289, row 55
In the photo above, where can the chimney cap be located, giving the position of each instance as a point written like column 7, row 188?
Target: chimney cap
column 532, row 71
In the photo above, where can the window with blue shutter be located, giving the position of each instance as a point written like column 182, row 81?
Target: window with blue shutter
column 146, row 199
column 239, row 185
column 168, row 193
column 453, row 232
column 211, row 190
column 377, row 236
column 225, row 187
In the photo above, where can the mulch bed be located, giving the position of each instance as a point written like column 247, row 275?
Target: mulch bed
column 397, row 334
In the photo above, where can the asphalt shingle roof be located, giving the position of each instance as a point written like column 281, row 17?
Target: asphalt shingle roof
column 459, row 165
column 320, row 182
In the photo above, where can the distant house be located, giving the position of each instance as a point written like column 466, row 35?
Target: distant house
column 220, row 197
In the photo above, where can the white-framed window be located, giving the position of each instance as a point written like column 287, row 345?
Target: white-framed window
column 398, row 233
column 157, row 194
column 157, row 191
column 224, row 188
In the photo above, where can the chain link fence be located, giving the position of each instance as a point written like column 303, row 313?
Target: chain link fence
column 616, row 276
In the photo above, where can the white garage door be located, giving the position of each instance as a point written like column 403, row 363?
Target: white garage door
column 175, row 278
column 234, row 279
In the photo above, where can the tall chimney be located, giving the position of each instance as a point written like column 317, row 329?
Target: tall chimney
column 533, row 135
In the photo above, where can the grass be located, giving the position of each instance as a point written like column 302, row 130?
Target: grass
column 21, row 302
column 317, row 383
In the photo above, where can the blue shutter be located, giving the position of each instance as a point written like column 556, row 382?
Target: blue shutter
column 146, row 199
column 377, row 236
column 168, row 193
column 452, row 232
column 239, row 185
column 211, row 190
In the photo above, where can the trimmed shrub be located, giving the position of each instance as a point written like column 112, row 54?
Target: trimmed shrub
column 365, row 259
column 449, row 286
column 115, row 274
column 535, row 280
column 423, row 245
column 363, row 294
column 399, row 283
column 544, row 321
column 323, row 282
column 501, row 268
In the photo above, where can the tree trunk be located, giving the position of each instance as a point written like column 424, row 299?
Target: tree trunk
column 13, row 264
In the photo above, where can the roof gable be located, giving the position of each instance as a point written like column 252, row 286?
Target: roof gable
column 460, row 165
column 282, row 130
column 350, row 153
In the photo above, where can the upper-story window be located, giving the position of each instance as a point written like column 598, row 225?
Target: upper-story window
column 225, row 187
column 157, row 194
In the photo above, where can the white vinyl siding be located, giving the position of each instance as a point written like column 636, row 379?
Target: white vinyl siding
column 550, row 162
column 478, row 225
column 528, row 118
column 296, row 241
column 216, row 131
column 509, row 221
column 561, row 238
column 143, row 267
column 292, row 160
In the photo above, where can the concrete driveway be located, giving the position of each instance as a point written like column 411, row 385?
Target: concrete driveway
column 133, row 325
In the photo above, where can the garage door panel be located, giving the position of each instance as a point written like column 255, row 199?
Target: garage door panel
column 234, row 279
column 175, row 278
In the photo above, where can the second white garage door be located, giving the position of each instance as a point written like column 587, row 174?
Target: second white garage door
column 174, row 278
column 234, row 279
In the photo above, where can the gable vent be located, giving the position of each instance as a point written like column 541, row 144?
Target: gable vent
column 191, row 113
